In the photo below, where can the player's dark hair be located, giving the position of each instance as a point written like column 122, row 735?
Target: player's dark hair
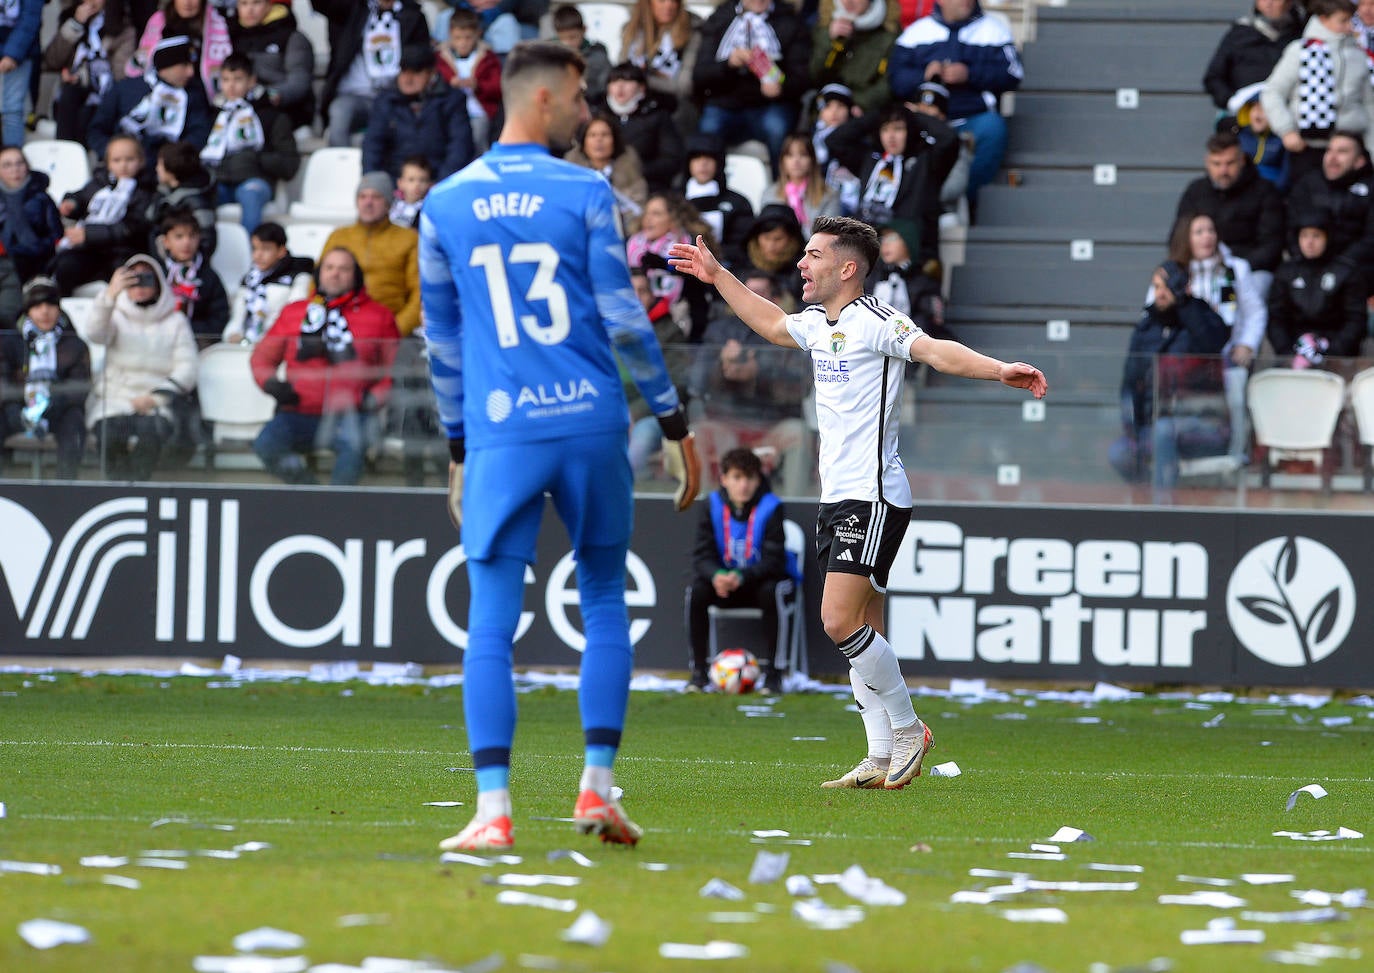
column 1222, row 142
column 742, row 459
column 617, row 137
column 419, row 162
column 272, row 233
column 539, row 57
column 568, row 17
column 853, row 237
column 239, row 61
column 180, row 217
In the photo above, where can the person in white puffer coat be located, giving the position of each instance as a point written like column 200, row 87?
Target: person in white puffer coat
column 150, row 361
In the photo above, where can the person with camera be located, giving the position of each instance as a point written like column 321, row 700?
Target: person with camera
column 338, row 348
column 150, row 364
column 1202, row 323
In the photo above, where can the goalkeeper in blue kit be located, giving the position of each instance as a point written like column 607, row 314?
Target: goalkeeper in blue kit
column 526, row 290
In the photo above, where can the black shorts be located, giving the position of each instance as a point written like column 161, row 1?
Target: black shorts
column 860, row 537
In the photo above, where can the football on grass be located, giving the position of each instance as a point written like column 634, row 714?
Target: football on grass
column 735, row 671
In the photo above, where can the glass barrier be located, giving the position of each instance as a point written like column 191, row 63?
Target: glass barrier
column 1111, row 432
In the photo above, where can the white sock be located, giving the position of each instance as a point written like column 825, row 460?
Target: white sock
column 877, row 726
column 493, row 804
column 872, row 657
column 597, row 779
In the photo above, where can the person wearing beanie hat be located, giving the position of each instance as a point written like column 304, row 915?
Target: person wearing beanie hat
column 933, row 100
column 201, row 24
column 45, row 374
column 163, row 105
column 727, row 212
column 774, row 245
column 418, row 115
column 934, row 95
column 1316, row 303
column 646, row 125
column 850, row 48
column 1258, row 143
column 388, row 254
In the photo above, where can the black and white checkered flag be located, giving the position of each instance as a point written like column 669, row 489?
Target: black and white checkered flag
column 1317, row 88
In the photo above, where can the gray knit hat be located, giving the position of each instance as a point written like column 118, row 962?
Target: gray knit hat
column 379, row 181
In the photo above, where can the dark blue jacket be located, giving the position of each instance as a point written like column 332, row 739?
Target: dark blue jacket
column 124, row 96
column 440, row 131
column 755, row 543
column 982, row 43
column 32, row 254
column 20, row 41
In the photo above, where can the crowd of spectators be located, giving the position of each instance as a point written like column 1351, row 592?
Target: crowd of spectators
column 886, row 109
column 1273, row 241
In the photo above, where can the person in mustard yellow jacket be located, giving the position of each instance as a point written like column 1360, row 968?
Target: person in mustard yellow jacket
column 388, row 254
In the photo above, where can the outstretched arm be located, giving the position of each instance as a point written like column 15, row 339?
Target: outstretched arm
column 953, row 358
column 761, row 314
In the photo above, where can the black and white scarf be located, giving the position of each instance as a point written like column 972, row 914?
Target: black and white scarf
column 665, row 60
column 1317, row 78
column 881, row 191
column 107, row 206
column 184, row 280
column 405, row 214
column 237, row 129
column 892, row 289
column 90, row 54
column 254, row 287
column 749, row 31
column 40, row 374
column 381, row 44
column 161, row 113
column 325, row 333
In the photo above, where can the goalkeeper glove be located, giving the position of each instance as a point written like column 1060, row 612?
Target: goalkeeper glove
column 457, row 453
column 680, row 457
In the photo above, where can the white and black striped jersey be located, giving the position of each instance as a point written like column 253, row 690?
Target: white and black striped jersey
column 859, row 362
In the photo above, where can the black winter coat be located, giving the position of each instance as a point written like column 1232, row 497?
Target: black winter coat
column 122, row 239
column 124, row 96
column 1249, row 215
column 440, row 131
column 1321, row 297
column 73, row 374
column 283, row 62
column 1348, row 204
column 32, row 254
column 1191, row 327
column 650, row 129
column 732, row 88
column 932, row 149
column 1247, row 53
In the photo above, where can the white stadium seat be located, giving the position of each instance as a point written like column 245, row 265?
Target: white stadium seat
column 66, row 164
column 605, row 24
column 329, row 185
column 307, row 239
column 748, row 176
column 1294, row 414
column 233, row 255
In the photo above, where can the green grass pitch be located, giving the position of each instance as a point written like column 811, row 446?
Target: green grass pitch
column 335, row 779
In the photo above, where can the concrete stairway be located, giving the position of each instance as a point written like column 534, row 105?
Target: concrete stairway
column 1114, row 85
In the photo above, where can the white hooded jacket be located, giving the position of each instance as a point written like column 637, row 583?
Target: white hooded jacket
column 149, row 350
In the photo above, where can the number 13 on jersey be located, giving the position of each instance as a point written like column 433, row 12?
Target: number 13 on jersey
column 543, row 287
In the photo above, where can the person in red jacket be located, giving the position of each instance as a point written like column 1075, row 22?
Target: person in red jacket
column 338, row 348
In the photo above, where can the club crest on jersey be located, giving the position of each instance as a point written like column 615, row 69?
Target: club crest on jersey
column 837, row 343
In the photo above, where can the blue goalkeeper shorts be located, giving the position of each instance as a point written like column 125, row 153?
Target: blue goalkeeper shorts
column 589, row 480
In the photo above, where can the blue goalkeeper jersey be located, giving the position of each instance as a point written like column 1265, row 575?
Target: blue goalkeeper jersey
column 525, row 287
